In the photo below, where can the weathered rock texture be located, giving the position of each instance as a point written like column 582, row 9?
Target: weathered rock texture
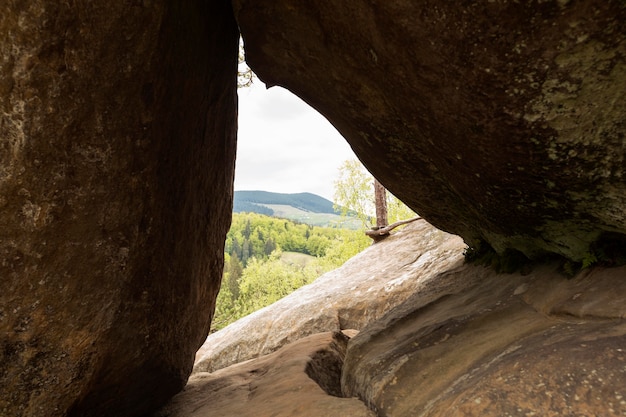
column 301, row 379
column 496, row 120
column 117, row 137
column 361, row 291
column 467, row 342
column 525, row 345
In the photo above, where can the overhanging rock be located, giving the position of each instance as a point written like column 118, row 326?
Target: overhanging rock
column 498, row 121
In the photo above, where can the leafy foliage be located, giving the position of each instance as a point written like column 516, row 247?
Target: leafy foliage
column 609, row 250
column 245, row 76
column 256, row 236
column 265, row 282
column 256, row 270
column 354, row 193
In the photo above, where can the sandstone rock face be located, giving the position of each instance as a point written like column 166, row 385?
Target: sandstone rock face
column 361, row 291
column 117, row 137
column 300, row 379
column 494, row 346
column 465, row 342
column 498, row 121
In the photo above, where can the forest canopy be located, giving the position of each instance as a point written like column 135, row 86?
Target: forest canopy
column 267, row 258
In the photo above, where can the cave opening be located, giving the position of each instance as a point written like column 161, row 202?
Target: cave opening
column 284, row 145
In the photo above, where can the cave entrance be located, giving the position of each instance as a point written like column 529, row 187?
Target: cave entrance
column 284, row 145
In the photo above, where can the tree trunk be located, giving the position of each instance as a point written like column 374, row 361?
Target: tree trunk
column 381, row 204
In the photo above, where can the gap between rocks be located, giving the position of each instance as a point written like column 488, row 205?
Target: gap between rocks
column 326, row 364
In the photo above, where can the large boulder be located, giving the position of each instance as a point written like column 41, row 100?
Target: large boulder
column 528, row 345
column 500, row 121
column 117, row 140
column 348, row 298
column 466, row 341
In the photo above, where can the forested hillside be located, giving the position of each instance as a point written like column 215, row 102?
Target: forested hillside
column 256, row 236
column 303, row 201
column 301, row 207
column 242, row 206
column 267, row 258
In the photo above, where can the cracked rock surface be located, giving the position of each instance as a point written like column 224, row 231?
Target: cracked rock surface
column 289, row 382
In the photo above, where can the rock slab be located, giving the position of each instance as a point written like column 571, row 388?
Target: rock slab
column 300, row 379
column 117, row 143
column 462, row 340
column 538, row 344
column 361, row 291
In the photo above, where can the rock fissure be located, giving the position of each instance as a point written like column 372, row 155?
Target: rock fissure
column 325, row 367
column 301, row 378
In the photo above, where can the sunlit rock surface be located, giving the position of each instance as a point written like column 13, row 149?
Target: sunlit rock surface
column 301, row 379
column 362, row 290
column 499, row 121
column 539, row 344
column 463, row 340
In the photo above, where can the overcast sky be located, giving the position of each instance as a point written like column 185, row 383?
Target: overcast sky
column 284, row 145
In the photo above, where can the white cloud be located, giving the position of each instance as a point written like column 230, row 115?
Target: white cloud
column 284, row 145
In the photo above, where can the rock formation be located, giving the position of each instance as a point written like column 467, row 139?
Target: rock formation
column 467, row 342
column 361, row 291
column 538, row 344
column 117, row 140
column 301, row 379
column 499, row 121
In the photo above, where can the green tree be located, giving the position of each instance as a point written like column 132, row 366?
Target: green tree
column 270, row 246
column 226, row 310
column 343, row 248
column 354, row 194
column 264, row 279
column 245, row 76
column 397, row 210
column 245, row 252
column 247, row 231
column 235, row 269
column 316, row 245
column 265, row 282
column 235, row 248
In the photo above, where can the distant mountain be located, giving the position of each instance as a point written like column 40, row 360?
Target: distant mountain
column 246, row 200
column 302, row 207
column 242, row 206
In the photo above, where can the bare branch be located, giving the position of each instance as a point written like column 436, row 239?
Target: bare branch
column 378, row 234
